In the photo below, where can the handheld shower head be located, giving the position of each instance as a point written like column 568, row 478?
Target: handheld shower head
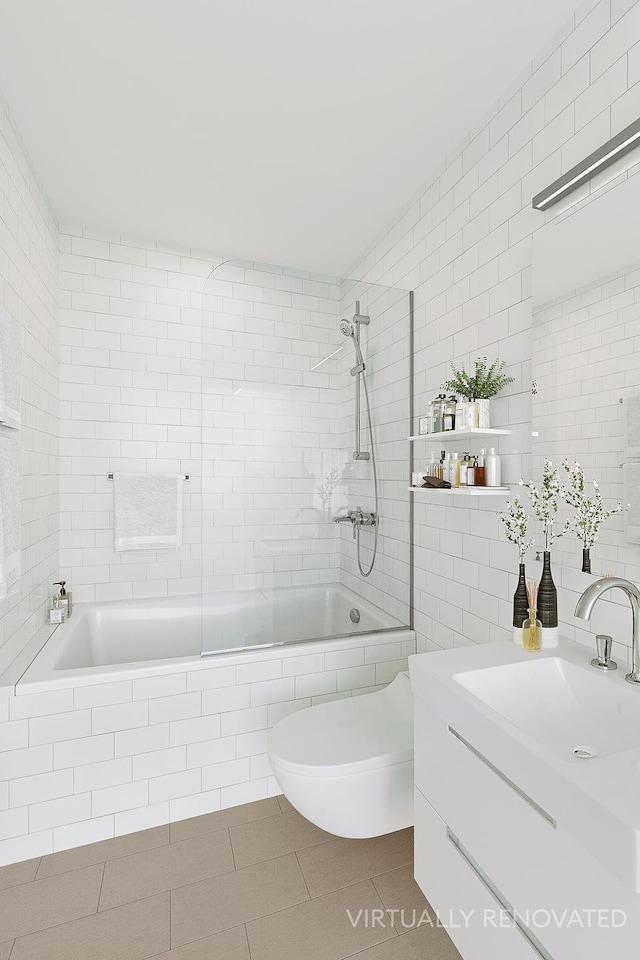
column 346, row 328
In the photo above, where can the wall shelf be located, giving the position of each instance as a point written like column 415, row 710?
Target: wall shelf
column 464, row 491
column 461, row 434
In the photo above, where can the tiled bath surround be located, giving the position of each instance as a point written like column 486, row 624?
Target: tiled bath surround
column 101, row 760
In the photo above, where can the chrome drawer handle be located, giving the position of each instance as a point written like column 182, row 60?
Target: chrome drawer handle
column 532, row 803
column 488, row 884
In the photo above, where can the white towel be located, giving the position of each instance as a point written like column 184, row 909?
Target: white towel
column 631, row 412
column 10, row 369
column 147, row 511
column 631, row 479
column 10, row 503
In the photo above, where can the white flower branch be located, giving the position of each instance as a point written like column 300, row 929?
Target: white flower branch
column 544, row 501
column 590, row 511
column 516, row 522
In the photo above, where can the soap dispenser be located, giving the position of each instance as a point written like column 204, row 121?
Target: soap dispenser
column 64, row 600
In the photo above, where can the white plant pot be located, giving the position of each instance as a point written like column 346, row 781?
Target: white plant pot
column 484, row 414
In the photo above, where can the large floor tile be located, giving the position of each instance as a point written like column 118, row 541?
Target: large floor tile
column 321, row 929
column 425, row 943
column 16, row 873
column 265, row 839
column 56, row 863
column 400, row 892
column 209, row 822
column 285, row 806
column 338, row 863
column 163, row 868
column 229, row 945
column 5, row 949
column 203, row 909
column 132, row 932
column 34, row 906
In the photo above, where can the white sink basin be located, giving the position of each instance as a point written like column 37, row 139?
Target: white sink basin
column 564, row 707
column 563, row 733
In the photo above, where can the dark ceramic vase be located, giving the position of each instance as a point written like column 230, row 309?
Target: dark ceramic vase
column 547, row 595
column 520, row 600
column 586, row 560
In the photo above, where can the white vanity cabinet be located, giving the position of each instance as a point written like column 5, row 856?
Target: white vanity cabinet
column 484, row 851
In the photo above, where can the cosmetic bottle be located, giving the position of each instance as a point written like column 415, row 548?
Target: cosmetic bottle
column 471, row 414
column 446, row 461
column 493, row 469
column 56, row 613
column 65, row 599
column 437, row 413
column 471, row 472
column 480, row 473
column 454, row 470
column 464, row 468
column 431, row 469
column 450, row 414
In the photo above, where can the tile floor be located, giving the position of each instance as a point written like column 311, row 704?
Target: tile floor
column 256, row 882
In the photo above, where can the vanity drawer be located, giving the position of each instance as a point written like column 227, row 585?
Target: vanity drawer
column 472, row 914
column 532, row 861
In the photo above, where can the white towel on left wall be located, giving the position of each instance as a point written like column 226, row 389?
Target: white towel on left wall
column 147, row 511
column 10, row 504
column 10, row 369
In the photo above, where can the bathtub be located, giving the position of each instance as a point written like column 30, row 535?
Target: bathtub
column 122, row 640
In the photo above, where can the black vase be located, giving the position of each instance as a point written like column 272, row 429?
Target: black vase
column 520, row 600
column 547, row 595
column 586, row 560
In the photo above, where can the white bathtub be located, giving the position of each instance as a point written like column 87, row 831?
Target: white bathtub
column 139, row 638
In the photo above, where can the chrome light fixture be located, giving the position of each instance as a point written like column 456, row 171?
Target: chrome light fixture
column 622, row 143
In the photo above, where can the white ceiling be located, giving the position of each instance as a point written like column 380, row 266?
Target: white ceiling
column 290, row 131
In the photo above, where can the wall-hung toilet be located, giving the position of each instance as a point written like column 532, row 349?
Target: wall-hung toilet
column 347, row 765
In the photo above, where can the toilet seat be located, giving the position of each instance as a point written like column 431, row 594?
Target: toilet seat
column 346, row 736
column 347, row 765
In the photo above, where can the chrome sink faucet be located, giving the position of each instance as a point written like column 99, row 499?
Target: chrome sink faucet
column 594, row 591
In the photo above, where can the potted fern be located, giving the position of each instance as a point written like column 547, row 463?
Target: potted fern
column 478, row 389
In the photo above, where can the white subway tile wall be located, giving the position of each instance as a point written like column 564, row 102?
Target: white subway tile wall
column 104, row 762
column 464, row 247
column 130, row 400
column 385, row 348
column 272, row 454
column 29, row 290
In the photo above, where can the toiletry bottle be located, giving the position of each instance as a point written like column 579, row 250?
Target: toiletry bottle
column 492, row 469
column 464, row 467
column 441, row 473
column 471, row 414
column 454, row 470
column 471, row 472
column 450, row 414
column 480, row 474
column 56, row 613
column 460, row 414
column 65, row 599
column 438, row 406
column 446, row 463
column 532, row 632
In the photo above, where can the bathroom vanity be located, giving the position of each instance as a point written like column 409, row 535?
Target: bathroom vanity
column 527, row 802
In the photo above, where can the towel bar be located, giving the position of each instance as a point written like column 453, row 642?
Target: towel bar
column 185, row 476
